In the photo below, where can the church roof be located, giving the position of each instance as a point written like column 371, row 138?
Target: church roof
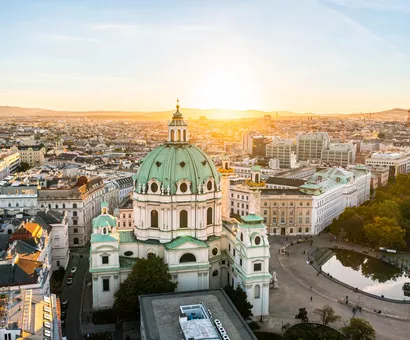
column 102, row 238
column 170, row 163
column 127, row 236
column 175, row 243
column 252, row 221
column 104, row 220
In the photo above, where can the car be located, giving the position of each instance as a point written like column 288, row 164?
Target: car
column 69, row 280
column 73, row 270
column 64, row 304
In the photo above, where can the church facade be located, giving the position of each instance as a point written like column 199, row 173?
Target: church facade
column 181, row 213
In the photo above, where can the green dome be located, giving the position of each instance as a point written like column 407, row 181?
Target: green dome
column 172, row 162
column 104, row 221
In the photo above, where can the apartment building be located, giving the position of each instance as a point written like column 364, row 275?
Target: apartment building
column 283, row 150
column 9, row 163
column 81, row 199
column 310, row 145
column 33, row 155
column 339, row 154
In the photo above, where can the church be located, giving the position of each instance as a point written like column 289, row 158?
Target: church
column 181, row 206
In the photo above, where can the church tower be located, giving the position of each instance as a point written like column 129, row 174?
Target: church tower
column 177, row 128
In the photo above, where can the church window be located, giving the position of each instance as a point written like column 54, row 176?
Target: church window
column 106, row 285
column 257, row 240
column 242, row 237
column 257, row 293
column 209, row 185
column 184, row 135
column 183, row 219
column 172, row 135
column 76, row 241
column 214, row 251
column 179, row 136
column 105, row 260
column 154, row 219
column 188, row 257
column 240, row 262
column 128, row 253
column 257, row 267
column 154, row 187
column 183, row 187
column 209, row 216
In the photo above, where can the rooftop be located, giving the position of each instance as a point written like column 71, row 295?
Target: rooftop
column 160, row 314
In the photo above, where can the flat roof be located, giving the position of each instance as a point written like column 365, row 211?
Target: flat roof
column 160, row 314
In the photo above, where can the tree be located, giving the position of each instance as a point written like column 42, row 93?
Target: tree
column 359, row 329
column 302, row 315
column 327, row 314
column 384, row 232
column 148, row 276
column 24, row 166
column 239, row 299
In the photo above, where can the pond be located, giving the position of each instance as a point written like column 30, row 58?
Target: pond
column 367, row 273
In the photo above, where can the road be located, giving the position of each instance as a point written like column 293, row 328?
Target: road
column 73, row 293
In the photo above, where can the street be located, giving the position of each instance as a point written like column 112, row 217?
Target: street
column 73, row 293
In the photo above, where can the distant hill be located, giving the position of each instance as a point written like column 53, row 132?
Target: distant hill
column 399, row 114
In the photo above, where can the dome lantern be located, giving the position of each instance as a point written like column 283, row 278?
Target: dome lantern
column 177, row 128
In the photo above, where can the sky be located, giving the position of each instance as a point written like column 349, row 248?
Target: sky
column 323, row 56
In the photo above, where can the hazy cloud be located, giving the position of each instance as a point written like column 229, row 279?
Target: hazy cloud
column 381, row 5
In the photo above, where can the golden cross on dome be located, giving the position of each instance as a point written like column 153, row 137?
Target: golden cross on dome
column 177, row 104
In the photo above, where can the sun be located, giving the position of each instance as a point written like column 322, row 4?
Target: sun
column 226, row 90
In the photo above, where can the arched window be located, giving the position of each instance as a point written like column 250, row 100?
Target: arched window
column 150, row 254
column 257, row 178
column 76, row 240
column 209, row 217
column 184, row 135
column 183, row 219
column 154, row 219
column 188, row 257
column 209, row 185
column 172, row 135
column 242, row 237
column 226, row 166
column 179, row 136
column 257, row 293
column 257, row 240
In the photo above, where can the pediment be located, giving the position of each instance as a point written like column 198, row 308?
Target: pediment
column 185, row 242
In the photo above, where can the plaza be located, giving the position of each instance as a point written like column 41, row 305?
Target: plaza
column 298, row 282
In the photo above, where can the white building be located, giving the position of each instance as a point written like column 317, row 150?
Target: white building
column 340, row 154
column 284, row 150
column 310, row 145
column 178, row 207
column 9, row 163
column 398, row 162
column 18, row 197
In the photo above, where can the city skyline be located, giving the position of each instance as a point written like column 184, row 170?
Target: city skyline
column 327, row 56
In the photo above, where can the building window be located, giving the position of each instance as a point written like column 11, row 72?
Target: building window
column 307, row 230
column 183, row 219
column 188, row 257
column 129, row 215
column 129, row 223
column 123, row 224
column 257, row 240
column 209, row 216
column 63, row 205
column 300, row 219
column 75, row 230
column 58, row 263
column 74, row 205
column 215, row 251
column 154, row 219
column 105, row 260
column 242, row 237
column 49, row 206
column 291, row 231
column 76, row 241
column 75, row 213
column 234, row 253
column 300, row 230
column 274, row 220
column 282, row 220
column 229, row 247
column 240, row 262
column 307, row 220
column 257, row 267
column 106, row 285
column 209, row 185
column 75, row 222
column 257, row 293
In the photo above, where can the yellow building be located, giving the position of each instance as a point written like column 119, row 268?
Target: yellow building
column 33, row 155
